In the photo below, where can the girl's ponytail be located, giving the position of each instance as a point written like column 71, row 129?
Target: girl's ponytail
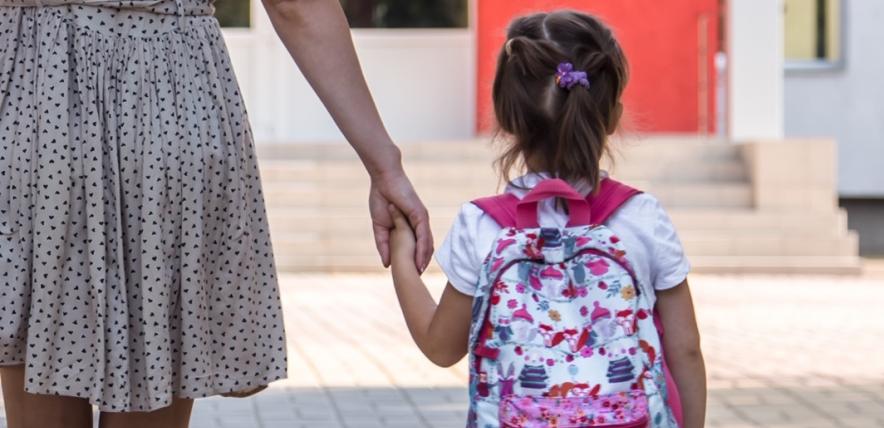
column 521, row 91
column 523, row 72
column 586, row 116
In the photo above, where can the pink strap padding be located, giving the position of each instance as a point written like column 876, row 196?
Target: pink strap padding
column 501, row 208
column 578, row 207
column 610, row 196
column 603, row 203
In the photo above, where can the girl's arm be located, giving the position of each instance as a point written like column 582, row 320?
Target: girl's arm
column 317, row 36
column 441, row 332
column 681, row 347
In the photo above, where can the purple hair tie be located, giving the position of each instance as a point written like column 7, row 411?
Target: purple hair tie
column 567, row 78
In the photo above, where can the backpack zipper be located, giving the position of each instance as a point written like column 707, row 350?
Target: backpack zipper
column 483, row 351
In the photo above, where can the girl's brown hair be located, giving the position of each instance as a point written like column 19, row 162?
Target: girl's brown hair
column 552, row 129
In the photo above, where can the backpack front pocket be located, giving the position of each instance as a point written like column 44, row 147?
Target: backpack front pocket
column 620, row 410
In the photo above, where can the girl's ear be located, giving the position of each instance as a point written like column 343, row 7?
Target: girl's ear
column 616, row 113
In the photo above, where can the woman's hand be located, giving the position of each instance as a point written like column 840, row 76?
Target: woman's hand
column 394, row 189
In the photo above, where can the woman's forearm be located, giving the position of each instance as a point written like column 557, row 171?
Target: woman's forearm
column 317, row 36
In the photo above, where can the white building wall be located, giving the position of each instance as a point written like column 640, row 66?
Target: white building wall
column 423, row 82
column 755, row 64
column 847, row 103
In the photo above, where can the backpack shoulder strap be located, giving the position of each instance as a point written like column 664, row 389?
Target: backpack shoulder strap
column 610, row 196
column 501, row 208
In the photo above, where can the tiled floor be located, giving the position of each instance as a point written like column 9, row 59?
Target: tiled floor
column 780, row 351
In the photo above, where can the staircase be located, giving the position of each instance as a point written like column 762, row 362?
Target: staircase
column 738, row 208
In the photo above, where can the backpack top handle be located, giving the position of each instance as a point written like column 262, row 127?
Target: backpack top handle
column 578, row 207
column 609, row 197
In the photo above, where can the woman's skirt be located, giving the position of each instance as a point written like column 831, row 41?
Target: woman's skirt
column 135, row 258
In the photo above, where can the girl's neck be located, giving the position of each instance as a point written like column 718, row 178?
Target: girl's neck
column 535, row 166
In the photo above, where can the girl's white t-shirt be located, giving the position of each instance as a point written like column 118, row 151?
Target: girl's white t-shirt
column 650, row 240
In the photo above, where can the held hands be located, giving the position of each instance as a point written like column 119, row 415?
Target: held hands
column 395, row 189
column 402, row 240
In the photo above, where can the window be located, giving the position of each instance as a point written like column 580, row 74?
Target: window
column 813, row 33
column 406, row 13
column 233, row 13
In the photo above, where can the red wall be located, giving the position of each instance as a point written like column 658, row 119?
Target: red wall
column 663, row 44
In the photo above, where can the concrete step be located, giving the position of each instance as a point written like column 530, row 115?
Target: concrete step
column 754, row 221
column 438, row 150
column 700, row 195
column 770, row 245
column 313, row 242
column 481, row 171
column 316, row 198
column 659, row 159
column 687, row 221
column 674, row 195
column 676, row 147
column 686, row 152
column 721, row 171
column 352, row 173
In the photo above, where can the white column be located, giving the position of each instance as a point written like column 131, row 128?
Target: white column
column 755, row 69
column 253, row 52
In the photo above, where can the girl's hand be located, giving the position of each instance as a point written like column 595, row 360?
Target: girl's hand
column 395, row 189
column 402, row 241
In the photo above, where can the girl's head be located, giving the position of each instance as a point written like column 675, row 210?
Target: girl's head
column 554, row 128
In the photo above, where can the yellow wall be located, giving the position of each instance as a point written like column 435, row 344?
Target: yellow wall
column 800, row 29
column 833, row 15
column 801, row 32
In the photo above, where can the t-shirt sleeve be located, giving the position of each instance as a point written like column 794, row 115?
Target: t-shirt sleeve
column 458, row 256
column 669, row 266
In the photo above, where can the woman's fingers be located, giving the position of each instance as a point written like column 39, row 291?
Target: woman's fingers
column 420, row 223
column 398, row 191
column 381, row 223
column 419, row 220
column 399, row 220
column 382, row 243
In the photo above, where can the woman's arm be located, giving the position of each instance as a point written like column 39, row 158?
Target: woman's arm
column 317, row 36
column 441, row 332
column 681, row 347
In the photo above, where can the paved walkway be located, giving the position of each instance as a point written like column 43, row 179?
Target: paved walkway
column 780, row 351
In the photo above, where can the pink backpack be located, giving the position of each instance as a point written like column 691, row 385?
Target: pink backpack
column 562, row 335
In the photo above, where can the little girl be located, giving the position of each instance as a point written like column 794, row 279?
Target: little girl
column 525, row 320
